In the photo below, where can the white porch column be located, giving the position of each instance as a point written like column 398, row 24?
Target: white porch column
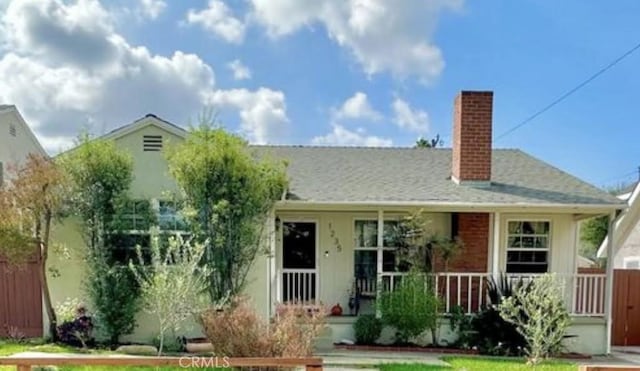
column 273, row 286
column 495, row 251
column 379, row 245
column 608, row 296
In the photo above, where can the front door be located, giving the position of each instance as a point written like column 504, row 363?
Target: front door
column 299, row 262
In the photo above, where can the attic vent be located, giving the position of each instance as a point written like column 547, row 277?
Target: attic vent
column 12, row 130
column 152, row 143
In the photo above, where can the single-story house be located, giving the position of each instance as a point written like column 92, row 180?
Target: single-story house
column 515, row 213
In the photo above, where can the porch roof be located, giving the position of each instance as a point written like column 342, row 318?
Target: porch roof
column 418, row 175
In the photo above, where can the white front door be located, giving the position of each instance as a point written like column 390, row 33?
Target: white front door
column 299, row 262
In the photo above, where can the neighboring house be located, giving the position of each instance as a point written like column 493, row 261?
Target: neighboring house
column 17, row 141
column 627, row 233
column 515, row 214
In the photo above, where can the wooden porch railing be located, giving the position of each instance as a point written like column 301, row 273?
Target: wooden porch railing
column 25, row 363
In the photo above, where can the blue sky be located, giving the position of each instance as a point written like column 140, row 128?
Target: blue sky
column 334, row 72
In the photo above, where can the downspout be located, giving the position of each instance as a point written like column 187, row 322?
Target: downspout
column 609, row 281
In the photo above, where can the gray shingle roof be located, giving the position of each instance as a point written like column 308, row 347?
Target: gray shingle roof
column 360, row 174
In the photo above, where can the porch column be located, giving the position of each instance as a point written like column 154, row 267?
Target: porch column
column 608, row 296
column 273, row 288
column 495, row 240
column 379, row 246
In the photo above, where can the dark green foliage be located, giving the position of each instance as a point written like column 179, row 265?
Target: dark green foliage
column 492, row 334
column 115, row 293
column 411, row 308
column 462, row 325
column 367, row 329
column 429, row 143
column 592, row 233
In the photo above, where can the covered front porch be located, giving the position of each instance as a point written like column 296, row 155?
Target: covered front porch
column 344, row 258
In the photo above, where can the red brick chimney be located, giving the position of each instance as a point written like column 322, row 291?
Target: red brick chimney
column 471, row 154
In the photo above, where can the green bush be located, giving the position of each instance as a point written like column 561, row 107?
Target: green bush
column 411, row 308
column 540, row 315
column 367, row 329
column 493, row 335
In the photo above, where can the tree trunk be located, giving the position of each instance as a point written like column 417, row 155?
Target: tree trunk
column 44, row 254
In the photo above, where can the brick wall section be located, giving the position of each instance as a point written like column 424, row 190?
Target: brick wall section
column 472, row 121
column 473, row 229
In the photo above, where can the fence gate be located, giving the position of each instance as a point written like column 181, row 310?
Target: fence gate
column 626, row 307
column 20, row 300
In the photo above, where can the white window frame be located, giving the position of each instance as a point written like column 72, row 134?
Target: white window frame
column 549, row 237
column 629, row 259
column 379, row 258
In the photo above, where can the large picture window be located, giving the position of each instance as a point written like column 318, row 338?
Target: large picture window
column 528, row 245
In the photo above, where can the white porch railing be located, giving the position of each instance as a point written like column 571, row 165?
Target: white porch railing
column 584, row 293
column 298, row 285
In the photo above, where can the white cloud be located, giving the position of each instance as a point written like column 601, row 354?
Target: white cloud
column 152, row 8
column 240, row 71
column 408, row 118
column 263, row 112
column 381, row 35
column 65, row 67
column 341, row 136
column 218, row 19
column 357, row 107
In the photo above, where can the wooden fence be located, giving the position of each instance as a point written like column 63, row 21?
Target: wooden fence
column 25, row 363
column 608, row 368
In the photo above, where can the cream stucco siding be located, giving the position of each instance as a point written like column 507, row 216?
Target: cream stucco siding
column 150, row 169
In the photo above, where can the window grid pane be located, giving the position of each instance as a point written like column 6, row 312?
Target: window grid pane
column 527, row 247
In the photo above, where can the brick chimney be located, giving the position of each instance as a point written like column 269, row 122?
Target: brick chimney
column 471, row 154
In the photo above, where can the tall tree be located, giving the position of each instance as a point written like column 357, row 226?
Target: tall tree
column 429, row 143
column 100, row 176
column 29, row 203
column 228, row 193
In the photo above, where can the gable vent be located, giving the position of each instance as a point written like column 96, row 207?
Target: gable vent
column 152, row 143
column 12, row 130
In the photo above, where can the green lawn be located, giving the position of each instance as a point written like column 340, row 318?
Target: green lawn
column 472, row 363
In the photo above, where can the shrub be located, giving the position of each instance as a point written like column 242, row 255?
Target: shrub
column 540, row 315
column 76, row 328
column 367, row 329
column 491, row 333
column 411, row 309
column 238, row 331
column 462, row 325
column 115, row 297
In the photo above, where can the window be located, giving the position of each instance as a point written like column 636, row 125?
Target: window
column 169, row 216
column 135, row 224
column 138, row 216
column 528, row 246
column 632, row 262
column 366, row 250
column 152, row 143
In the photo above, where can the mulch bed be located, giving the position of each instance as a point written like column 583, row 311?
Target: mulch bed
column 428, row 349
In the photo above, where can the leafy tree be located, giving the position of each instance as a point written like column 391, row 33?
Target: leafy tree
column 592, row 233
column 101, row 175
column 429, row 143
column 228, row 193
column 29, row 203
column 172, row 285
